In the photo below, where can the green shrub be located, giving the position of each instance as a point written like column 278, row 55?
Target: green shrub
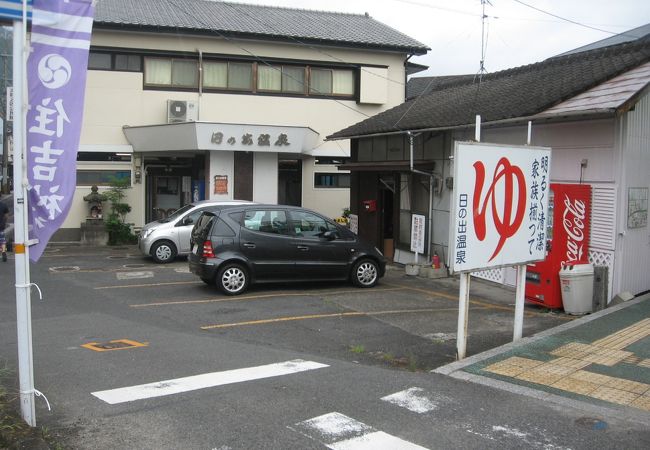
column 119, row 231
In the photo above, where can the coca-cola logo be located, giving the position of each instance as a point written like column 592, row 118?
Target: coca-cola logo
column 573, row 221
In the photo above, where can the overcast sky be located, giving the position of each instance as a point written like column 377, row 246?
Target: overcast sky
column 516, row 34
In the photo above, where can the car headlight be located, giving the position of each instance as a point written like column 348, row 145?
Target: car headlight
column 379, row 251
column 147, row 233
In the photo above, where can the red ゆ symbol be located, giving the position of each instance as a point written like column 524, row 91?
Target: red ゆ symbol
column 504, row 222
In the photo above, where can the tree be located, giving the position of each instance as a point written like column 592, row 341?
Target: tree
column 119, row 232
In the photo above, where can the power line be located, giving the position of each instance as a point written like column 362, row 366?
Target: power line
column 571, row 21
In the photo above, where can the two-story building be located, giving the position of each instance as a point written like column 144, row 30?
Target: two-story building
column 200, row 99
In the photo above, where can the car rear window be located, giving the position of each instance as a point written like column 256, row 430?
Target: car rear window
column 221, row 228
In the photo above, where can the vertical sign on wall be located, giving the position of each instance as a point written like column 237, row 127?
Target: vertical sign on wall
column 500, row 205
column 56, row 69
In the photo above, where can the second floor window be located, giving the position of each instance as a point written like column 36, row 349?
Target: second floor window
column 181, row 73
column 227, row 75
column 253, row 77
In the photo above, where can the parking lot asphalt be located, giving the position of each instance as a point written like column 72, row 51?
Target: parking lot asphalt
column 405, row 322
column 112, row 323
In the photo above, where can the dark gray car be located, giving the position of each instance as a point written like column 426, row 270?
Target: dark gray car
column 233, row 247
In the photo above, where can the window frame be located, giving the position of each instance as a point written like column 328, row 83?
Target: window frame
column 171, row 85
column 336, row 175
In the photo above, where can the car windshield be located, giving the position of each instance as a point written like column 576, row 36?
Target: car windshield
column 176, row 214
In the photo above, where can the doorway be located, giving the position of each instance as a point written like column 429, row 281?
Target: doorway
column 387, row 224
column 290, row 182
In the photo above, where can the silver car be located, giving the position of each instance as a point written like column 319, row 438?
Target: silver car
column 164, row 239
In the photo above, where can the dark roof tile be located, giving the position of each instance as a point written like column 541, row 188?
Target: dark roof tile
column 517, row 92
column 254, row 21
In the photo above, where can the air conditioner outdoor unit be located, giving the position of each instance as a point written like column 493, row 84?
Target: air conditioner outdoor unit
column 181, row 111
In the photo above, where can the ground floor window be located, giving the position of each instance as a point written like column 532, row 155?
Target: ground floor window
column 104, row 177
column 331, row 180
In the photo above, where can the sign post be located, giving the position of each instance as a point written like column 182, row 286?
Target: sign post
column 499, row 213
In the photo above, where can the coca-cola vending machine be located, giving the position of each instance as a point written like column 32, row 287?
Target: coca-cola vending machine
column 569, row 209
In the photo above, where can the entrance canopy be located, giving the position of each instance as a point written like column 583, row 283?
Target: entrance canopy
column 221, row 136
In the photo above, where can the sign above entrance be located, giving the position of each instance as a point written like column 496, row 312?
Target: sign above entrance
column 254, row 138
column 500, row 204
column 199, row 136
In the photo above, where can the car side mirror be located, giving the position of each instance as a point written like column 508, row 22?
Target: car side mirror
column 330, row 235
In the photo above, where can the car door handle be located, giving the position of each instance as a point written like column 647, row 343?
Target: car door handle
column 249, row 245
column 303, row 248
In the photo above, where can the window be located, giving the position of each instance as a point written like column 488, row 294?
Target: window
column 101, row 177
column 309, row 225
column 293, row 79
column 331, row 82
column 266, row 221
column 228, row 75
column 326, row 160
column 331, row 180
column 240, row 76
column 253, row 76
column 215, row 74
column 99, row 61
column 171, row 72
column 103, row 156
column 269, row 78
column 109, row 61
column 128, row 63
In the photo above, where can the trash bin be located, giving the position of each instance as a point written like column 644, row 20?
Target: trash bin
column 577, row 286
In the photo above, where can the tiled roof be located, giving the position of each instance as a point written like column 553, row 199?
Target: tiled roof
column 253, row 21
column 417, row 86
column 509, row 94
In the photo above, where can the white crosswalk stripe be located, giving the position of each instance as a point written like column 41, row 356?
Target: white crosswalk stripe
column 340, row 432
column 206, row 380
column 414, row 399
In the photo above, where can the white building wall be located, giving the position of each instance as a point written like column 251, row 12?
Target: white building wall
column 115, row 99
column 592, row 141
column 221, row 163
column 265, row 177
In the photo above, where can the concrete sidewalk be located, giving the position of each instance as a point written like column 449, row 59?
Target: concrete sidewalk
column 600, row 361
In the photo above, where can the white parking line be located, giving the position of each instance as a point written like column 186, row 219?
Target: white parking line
column 340, row 432
column 206, row 380
column 134, row 275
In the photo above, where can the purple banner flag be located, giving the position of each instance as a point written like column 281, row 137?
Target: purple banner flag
column 56, row 77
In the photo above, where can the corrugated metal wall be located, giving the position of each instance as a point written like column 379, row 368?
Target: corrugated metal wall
column 634, row 262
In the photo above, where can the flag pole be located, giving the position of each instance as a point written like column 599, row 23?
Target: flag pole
column 21, row 247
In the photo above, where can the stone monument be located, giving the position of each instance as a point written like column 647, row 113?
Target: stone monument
column 93, row 231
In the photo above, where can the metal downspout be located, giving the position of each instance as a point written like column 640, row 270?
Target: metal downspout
column 430, row 175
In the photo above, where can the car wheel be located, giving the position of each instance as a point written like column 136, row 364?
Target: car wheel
column 163, row 252
column 365, row 273
column 232, row 279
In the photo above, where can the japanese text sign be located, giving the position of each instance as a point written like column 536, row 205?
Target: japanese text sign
column 499, row 205
column 417, row 233
column 56, row 69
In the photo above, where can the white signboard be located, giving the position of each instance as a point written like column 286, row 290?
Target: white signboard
column 499, row 205
column 417, row 233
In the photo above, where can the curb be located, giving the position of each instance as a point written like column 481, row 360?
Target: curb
column 630, row 414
